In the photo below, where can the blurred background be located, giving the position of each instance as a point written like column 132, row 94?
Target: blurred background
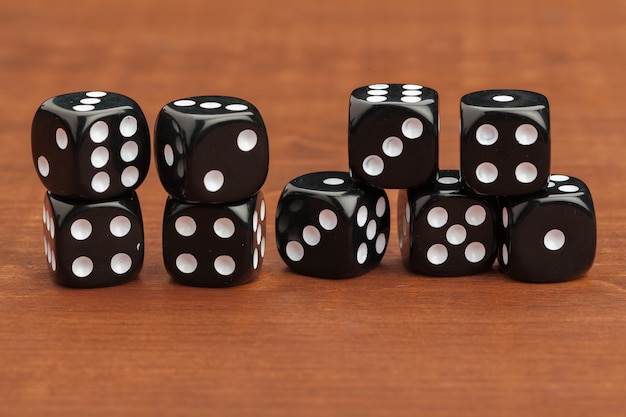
column 298, row 62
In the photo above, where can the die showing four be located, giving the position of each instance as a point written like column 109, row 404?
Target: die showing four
column 214, row 245
column 505, row 142
column 329, row 226
column 93, row 244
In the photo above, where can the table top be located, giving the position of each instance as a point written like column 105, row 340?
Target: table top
column 386, row 343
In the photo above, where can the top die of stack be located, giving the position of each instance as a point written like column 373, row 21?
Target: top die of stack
column 91, row 145
column 211, row 149
column 505, row 142
column 393, row 135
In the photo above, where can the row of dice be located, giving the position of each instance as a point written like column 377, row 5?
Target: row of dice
column 92, row 150
column 502, row 203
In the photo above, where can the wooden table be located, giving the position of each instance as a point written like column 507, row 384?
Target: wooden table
column 387, row 343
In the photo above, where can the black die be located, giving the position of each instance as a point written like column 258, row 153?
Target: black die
column 90, row 145
column 329, row 226
column 551, row 235
column 445, row 231
column 211, row 149
column 505, row 142
column 393, row 135
column 93, row 244
column 214, row 245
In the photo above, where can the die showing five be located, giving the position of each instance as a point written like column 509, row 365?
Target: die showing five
column 444, row 230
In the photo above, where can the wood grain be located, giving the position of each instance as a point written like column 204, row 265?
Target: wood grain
column 387, row 343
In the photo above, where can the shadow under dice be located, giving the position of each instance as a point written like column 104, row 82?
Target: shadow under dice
column 505, row 142
column 214, row 245
column 393, row 135
column 549, row 236
column 329, row 226
column 93, row 244
column 211, row 149
column 444, row 231
column 90, row 145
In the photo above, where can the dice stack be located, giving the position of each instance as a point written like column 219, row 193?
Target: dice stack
column 91, row 151
column 502, row 203
column 212, row 156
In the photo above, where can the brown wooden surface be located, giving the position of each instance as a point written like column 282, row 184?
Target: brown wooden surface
column 387, row 343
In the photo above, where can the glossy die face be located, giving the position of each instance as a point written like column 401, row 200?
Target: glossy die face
column 505, row 142
column 445, row 231
column 549, row 236
column 95, row 244
column 214, row 245
column 393, row 135
column 90, row 145
column 329, row 226
column 211, row 149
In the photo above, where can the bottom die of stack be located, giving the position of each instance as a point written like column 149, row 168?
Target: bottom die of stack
column 93, row 243
column 214, row 245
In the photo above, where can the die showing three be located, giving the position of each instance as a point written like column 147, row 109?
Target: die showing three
column 91, row 150
column 330, row 226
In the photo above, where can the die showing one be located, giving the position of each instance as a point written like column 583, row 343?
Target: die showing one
column 551, row 235
column 211, row 149
column 444, row 230
column 214, row 245
column 505, row 142
column 329, row 226
column 93, row 244
column 91, row 145
column 393, row 135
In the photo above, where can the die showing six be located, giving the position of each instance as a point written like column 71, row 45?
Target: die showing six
column 90, row 145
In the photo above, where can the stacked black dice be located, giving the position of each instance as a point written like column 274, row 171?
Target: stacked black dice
column 91, row 151
column 547, row 222
column 212, row 155
column 503, row 202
